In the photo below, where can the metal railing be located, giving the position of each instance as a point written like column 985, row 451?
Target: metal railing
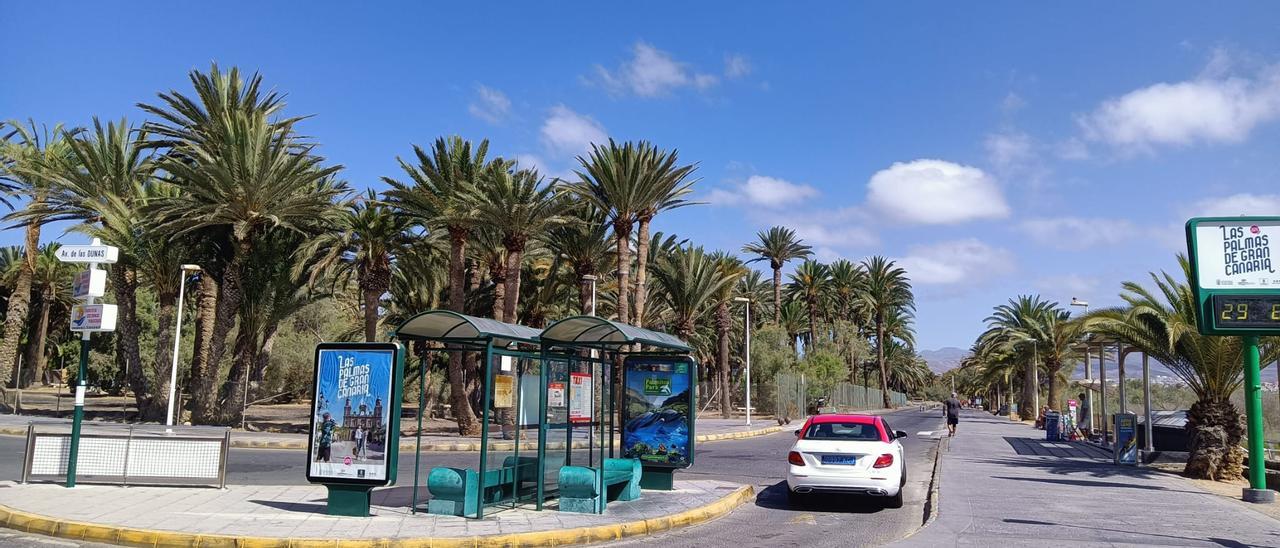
column 129, row 454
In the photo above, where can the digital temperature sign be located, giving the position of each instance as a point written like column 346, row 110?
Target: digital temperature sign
column 1235, row 274
column 1246, row 311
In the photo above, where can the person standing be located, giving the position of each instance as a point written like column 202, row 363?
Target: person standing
column 327, row 424
column 951, row 408
column 360, row 437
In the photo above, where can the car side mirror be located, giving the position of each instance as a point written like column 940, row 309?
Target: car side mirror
column 899, row 434
column 797, row 433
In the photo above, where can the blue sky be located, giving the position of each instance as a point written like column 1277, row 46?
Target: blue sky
column 995, row 149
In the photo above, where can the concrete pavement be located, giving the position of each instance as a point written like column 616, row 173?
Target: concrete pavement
column 1003, row 485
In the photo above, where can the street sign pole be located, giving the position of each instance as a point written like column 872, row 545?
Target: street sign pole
column 1253, row 408
column 78, row 417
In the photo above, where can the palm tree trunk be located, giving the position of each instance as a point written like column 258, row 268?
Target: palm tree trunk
column 200, row 384
column 584, row 293
column 622, row 233
column 498, row 273
column 884, row 367
column 165, row 315
column 813, row 324
column 35, row 360
column 235, row 390
column 19, row 305
column 128, row 353
column 777, row 295
column 1216, row 430
column 371, row 298
column 642, row 269
column 263, row 359
column 1053, row 385
column 722, row 373
column 1026, row 408
column 460, row 404
column 515, row 256
column 230, row 293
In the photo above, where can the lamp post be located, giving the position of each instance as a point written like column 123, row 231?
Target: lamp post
column 1088, row 368
column 177, row 338
column 746, row 328
column 591, row 278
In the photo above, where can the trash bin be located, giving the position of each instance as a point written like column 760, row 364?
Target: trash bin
column 1053, row 426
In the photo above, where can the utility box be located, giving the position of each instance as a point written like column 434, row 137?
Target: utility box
column 1125, row 449
column 1053, row 426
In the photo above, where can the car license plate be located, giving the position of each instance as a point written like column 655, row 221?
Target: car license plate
column 839, row 459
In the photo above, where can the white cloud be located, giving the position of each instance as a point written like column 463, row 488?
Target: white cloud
column 1080, row 233
column 763, row 191
column 531, row 161
column 1072, row 149
column 566, row 132
column 1238, row 204
column 844, row 236
column 736, row 65
column 966, row 261
column 1213, row 109
column 1009, row 150
column 490, row 105
column 935, row 192
column 651, row 72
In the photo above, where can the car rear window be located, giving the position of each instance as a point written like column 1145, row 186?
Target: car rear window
column 842, row 431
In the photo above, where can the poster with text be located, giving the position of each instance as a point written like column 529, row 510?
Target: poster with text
column 580, row 396
column 657, row 411
column 350, row 418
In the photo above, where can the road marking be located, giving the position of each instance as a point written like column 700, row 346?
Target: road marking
column 925, row 433
column 805, row 519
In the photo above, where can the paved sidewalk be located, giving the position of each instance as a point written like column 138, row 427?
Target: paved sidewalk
column 1003, row 485
column 706, row 429
column 261, row 515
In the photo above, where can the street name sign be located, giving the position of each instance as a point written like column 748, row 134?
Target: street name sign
column 1234, row 274
column 93, row 318
column 88, row 254
column 89, row 283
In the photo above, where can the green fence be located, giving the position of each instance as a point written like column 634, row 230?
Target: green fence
column 794, row 396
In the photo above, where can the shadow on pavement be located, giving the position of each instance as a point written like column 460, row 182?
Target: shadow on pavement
column 1089, row 483
column 1064, row 466
column 304, row 507
column 1220, row 541
column 774, row 497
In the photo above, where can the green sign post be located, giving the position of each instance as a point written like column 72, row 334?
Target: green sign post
column 1237, row 290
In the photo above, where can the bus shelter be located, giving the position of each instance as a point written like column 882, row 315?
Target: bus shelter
column 632, row 391
column 512, row 371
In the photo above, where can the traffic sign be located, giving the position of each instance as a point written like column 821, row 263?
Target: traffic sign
column 88, row 254
column 93, row 318
column 1234, row 275
column 90, row 283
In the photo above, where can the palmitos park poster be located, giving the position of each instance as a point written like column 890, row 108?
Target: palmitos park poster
column 350, row 418
column 657, row 411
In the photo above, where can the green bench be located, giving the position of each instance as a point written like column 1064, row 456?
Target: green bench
column 459, row 491
column 587, row 490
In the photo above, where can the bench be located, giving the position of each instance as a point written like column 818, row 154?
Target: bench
column 587, row 490
column 459, row 491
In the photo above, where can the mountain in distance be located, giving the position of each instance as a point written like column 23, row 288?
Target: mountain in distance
column 943, row 359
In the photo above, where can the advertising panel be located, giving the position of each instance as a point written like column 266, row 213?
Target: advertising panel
column 351, row 422
column 580, row 396
column 657, row 411
column 93, row 317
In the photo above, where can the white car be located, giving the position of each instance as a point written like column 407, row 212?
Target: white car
column 856, row 454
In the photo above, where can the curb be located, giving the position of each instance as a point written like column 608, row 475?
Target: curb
column 125, row 536
column 448, row 447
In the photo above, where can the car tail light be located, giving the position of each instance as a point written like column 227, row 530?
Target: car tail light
column 884, row 461
column 795, row 458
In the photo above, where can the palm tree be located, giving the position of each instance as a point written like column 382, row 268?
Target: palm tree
column 583, row 243
column 794, row 321
column 777, row 245
column 520, row 207
column 29, row 156
column 847, row 279
column 1162, row 324
column 610, row 177
column 809, row 283
column 732, row 269
column 368, row 237
column 662, row 187
column 887, row 290
column 1019, row 327
column 439, row 195
column 689, row 281
column 51, row 282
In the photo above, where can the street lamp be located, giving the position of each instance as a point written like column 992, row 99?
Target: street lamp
column 746, row 327
column 592, row 278
column 177, row 338
column 1088, row 368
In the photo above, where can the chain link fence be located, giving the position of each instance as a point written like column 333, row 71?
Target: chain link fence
column 794, row 397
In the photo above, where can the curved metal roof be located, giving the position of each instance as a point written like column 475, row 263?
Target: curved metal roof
column 447, row 325
column 596, row 330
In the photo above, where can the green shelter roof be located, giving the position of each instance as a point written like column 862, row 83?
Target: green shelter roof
column 446, row 325
column 593, row 330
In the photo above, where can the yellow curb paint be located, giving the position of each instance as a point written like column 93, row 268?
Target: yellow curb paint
column 33, row 523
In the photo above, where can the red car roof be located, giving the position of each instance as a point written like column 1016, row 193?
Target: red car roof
column 855, row 419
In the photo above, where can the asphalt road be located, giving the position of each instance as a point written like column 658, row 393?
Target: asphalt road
column 760, row 461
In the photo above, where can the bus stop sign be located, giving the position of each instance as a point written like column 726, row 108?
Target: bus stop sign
column 1234, row 274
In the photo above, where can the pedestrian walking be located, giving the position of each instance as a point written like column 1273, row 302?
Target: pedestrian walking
column 360, row 437
column 327, row 425
column 951, row 408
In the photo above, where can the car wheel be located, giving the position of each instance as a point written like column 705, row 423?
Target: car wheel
column 895, row 501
